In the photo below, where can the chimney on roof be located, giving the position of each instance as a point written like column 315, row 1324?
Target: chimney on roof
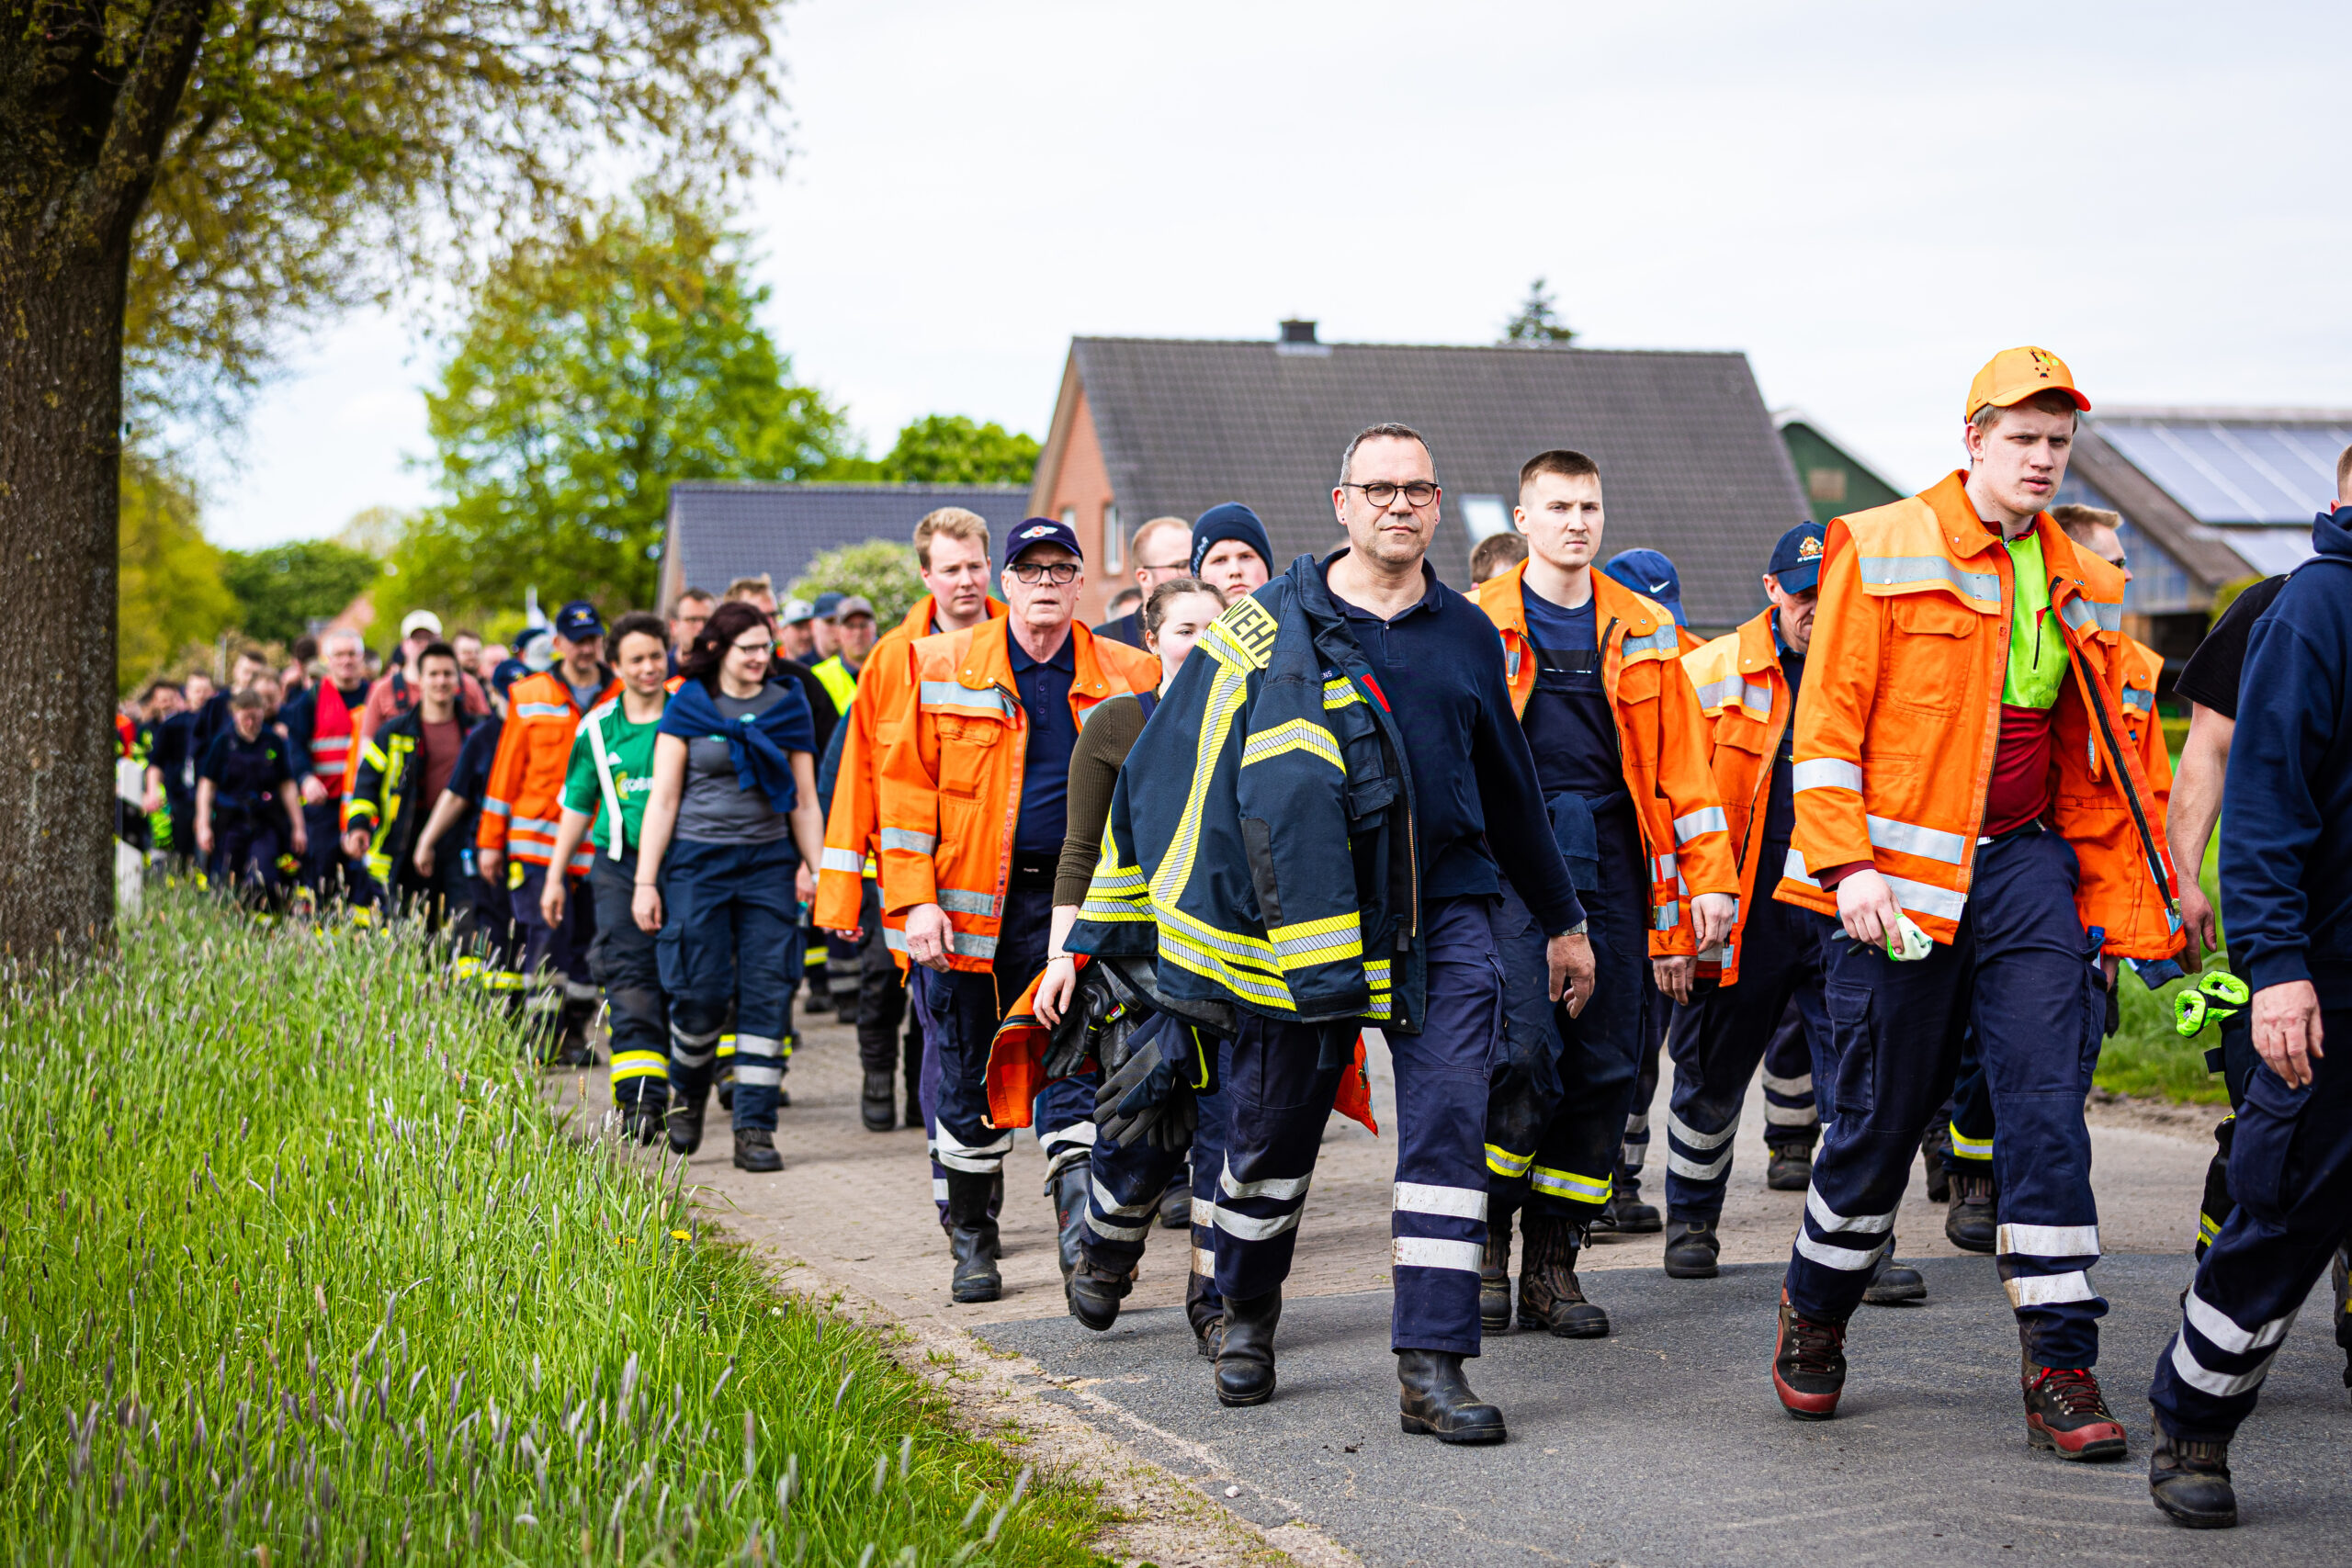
column 1298, row 342
column 1298, row 332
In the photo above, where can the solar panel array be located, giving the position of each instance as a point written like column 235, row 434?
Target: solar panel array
column 2232, row 471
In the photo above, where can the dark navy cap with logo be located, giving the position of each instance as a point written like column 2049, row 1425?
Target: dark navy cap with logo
column 1796, row 560
column 828, row 605
column 1650, row 574
column 1041, row 531
column 578, row 622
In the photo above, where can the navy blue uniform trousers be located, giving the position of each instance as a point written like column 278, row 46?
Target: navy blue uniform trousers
column 961, row 1010
column 2020, row 973
column 730, row 929
column 2290, row 1173
column 1130, row 1180
column 552, row 959
column 1278, row 1098
column 626, row 960
column 1718, row 1041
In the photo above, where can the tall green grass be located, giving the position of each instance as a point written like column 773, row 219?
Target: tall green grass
column 295, row 1266
column 2147, row 1056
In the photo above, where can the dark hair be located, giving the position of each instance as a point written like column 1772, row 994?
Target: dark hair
column 703, row 656
column 1388, row 430
column 249, row 697
column 437, row 649
column 1496, row 554
column 636, row 622
column 252, row 651
column 1559, row 460
column 697, row 595
column 305, row 649
column 1155, row 609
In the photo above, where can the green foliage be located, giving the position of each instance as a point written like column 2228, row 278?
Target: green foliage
column 1536, row 323
column 951, row 449
column 169, row 591
column 281, row 591
column 880, row 569
column 357, row 1295
column 595, row 372
column 2147, row 1056
column 2227, row 594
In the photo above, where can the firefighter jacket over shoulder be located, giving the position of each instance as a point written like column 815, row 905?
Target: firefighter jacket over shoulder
column 1662, row 738
column 1902, row 715
column 1746, row 696
column 1261, row 839
column 885, row 696
column 384, row 788
column 523, row 804
column 951, row 780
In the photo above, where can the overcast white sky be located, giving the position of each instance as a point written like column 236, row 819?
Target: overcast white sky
column 1867, row 198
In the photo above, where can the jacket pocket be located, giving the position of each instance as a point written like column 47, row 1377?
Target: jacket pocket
column 1853, row 1078
column 966, row 755
column 2263, row 1142
column 1257, row 841
column 1919, row 672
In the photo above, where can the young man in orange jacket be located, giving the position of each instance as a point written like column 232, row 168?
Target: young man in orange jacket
column 1620, row 755
column 1969, row 808
column 974, row 793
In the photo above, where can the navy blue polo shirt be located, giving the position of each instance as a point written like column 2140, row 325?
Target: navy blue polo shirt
column 1043, row 688
column 1439, row 667
column 245, row 773
column 1781, row 804
column 1569, row 722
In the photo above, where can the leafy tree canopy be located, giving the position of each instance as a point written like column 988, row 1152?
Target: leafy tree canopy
column 880, row 569
column 1536, row 323
column 951, row 449
column 596, row 370
column 170, row 588
column 281, row 591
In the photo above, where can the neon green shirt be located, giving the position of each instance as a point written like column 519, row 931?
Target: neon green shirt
column 629, row 748
column 2036, row 671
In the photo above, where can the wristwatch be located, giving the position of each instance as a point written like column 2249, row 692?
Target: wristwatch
column 1578, row 930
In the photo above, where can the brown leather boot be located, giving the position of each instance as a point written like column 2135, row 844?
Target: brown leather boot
column 1549, row 1296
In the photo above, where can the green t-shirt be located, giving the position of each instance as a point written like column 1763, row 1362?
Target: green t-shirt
column 628, row 749
column 2037, row 647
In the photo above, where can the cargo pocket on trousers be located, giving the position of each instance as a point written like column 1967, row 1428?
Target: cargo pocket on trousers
column 1853, row 1082
column 2262, row 1141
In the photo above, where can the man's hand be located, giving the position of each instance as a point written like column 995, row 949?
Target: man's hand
column 204, row 839
column 355, row 843
column 804, row 883
column 929, row 934
column 2286, row 1030
column 1712, row 915
column 1674, row 975
column 644, row 906
column 2199, row 923
column 314, row 792
column 423, row 860
column 1054, row 990
column 551, row 901
column 300, row 836
column 853, row 935
column 1570, row 958
column 153, row 800
column 489, row 864
column 1866, row 906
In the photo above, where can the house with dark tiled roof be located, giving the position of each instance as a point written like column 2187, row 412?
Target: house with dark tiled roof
column 719, row 532
column 1690, row 459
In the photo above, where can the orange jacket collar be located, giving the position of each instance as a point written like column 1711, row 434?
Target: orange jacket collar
column 1504, row 598
column 919, row 619
column 2075, row 571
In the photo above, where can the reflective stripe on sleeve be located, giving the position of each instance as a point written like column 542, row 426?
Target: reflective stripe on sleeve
column 848, row 860
column 1794, row 869
column 2084, row 614
column 1920, row 899
column 1706, row 819
column 1826, row 772
column 1910, row 838
column 908, row 840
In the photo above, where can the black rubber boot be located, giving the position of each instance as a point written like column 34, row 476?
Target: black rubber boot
column 1935, row 1144
column 1971, row 1223
column 1493, row 1277
column 1095, row 1293
column 1176, row 1204
column 1790, row 1169
column 1549, row 1296
column 971, row 1238
column 1205, row 1310
column 877, row 1102
column 2191, row 1482
column 1245, row 1358
column 1069, row 1187
column 642, row 1124
column 1691, row 1248
column 1894, row 1284
column 1633, row 1217
column 1433, row 1399
column 685, row 1126
column 755, row 1150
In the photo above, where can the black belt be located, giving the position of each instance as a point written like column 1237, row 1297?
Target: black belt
column 2022, row 830
column 1032, row 873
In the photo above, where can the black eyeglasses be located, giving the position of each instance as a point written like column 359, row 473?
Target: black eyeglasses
column 1380, row 492
column 1060, row 573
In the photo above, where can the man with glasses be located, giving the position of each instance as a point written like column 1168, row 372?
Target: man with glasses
column 974, row 791
column 1157, row 550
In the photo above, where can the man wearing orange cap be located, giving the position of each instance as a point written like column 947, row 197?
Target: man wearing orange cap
column 1970, row 809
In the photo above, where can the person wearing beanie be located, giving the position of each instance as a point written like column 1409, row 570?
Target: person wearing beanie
column 1230, row 550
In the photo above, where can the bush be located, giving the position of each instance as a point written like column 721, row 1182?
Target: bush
column 879, row 570
column 297, row 1259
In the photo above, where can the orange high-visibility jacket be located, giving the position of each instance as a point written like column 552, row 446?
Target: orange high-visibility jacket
column 883, row 688
column 1661, row 738
column 1746, row 698
column 951, row 779
column 1902, row 715
column 523, row 804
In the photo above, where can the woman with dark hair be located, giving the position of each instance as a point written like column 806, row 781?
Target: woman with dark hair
column 730, row 838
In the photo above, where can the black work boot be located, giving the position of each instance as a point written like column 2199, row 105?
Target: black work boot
column 1069, row 1187
column 1095, row 1293
column 2065, row 1413
column 685, row 1126
column 1791, row 1167
column 1176, row 1204
column 1245, row 1356
column 971, row 1238
column 572, row 1049
column 877, row 1102
column 1633, row 1217
column 1971, row 1222
column 1935, row 1144
column 1893, row 1284
column 1808, row 1364
column 642, row 1124
column 1493, row 1277
column 755, row 1150
column 1205, row 1310
column 1691, row 1248
column 1549, row 1296
column 1434, row 1400
column 2191, row 1482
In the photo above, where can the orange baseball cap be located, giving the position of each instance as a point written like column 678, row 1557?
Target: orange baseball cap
column 2016, row 374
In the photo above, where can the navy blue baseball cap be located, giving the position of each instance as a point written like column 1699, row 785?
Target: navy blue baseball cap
column 1041, row 531
column 828, row 604
column 1650, row 574
column 1796, row 560
column 578, row 622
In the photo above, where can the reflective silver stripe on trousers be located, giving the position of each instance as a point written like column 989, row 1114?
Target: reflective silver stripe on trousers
column 1248, row 1227
column 1790, row 1087
column 758, row 1060
column 2048, row 1290
column 1790, row 1115
column 1910, row 838
column 2049, row 1241
column 1429, row 1252
column 1826, row 772
column 1695, row 1138
column 2219, row 1384
column 1846, row 1258
column 692, row 1050
column 1828, row 1219
column 2223, row 1331
column 1282, row 1188
column 1458, row 1202
column 982, row 1159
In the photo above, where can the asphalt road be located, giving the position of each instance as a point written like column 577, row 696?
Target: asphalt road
column 1663, row 1444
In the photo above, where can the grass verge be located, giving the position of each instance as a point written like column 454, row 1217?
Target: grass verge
column 2147, row 1056
column 296, row 1265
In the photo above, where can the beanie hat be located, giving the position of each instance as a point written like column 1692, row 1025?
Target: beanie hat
column 1230, row 520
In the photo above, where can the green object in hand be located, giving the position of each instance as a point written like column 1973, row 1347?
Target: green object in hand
column 2217, row 997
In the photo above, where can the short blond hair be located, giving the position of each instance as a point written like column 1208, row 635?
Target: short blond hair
column 1135, row 539
column 2050, row 399
column 2077, row 522
column 748, row 588
column 956, row 523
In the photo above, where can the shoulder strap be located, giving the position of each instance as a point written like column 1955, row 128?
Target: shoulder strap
column 604, row 783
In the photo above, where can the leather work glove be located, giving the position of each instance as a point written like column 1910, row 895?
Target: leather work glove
column 1149, row 1092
